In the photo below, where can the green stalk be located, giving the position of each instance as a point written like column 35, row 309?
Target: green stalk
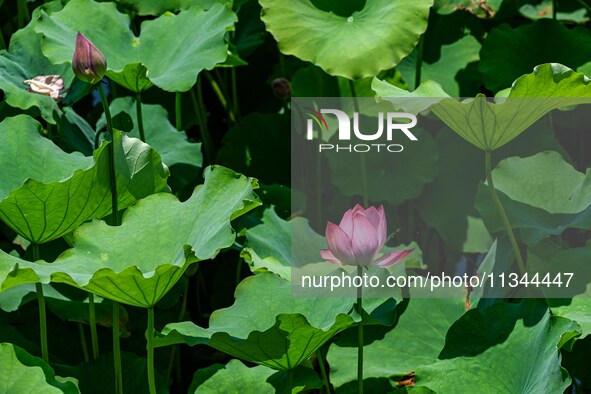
column 93, row 333
column 177, row 111
column 2, row 40
column 117, row 350
column 199, row 107
column 235, row 108
column 23, row 13
column 42, row 313
column 502, row 213
column 360, row 335
column 83, row 342
column 554, row 8
column 140, row 118
column 150, row 339
column 112, row 175
column 289, row 380
column 220, row 95
column 323, row 373
column 115, row 214
column 362, row 165
column 175, row 348
column 419, row 63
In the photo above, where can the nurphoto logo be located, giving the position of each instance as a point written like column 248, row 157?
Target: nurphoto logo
column 390, row 121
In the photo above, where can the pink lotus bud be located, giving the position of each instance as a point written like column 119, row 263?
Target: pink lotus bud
column 89, row 63
column 358, row 238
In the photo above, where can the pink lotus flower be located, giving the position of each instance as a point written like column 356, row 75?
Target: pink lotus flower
column 358, row 238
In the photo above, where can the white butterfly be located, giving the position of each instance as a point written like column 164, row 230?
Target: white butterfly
column 47, row 85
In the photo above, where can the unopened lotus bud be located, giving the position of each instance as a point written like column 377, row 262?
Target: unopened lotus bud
column 89, row 63
column 281, row 88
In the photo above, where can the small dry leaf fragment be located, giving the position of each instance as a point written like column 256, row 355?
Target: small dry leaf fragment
column 407, row 380
column 47, row 85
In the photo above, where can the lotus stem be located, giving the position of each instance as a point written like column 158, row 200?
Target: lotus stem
column 150, row 348
column 502, row 212
column 83, row 343
column 117, row 350
column 199, row 106
column 115, row 220
column 140, row 118
column 42, row 313
column 23, row 13
column 360, row 335
column 112, row 175
column 178, row 121
column 554, row 8
column 419, row 63
column 323, row 374
column 92, row 321
column 235, row 93
column 220, row 95
column 362, row 165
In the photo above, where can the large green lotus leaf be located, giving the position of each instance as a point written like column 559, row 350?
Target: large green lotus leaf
column 545, row 181
column 392, row 177
column 490, row 125
column 171, row 144
column 236, row 376
column 578, row 309
column 544, row 10
column 384, row 31
column 15, row 271
column 228, row 378
column 454, row 58
column 508, row 53
column 134, row 77
column 173, row 48
column 427, row 94
column 453, row 214
column 493, row 349
column 269, row 244
column 417, row 339
column 48, row 193
column 542, row 195
column 23, row 373
column 547, row 257
column 138, row 262
column 266, row 324
column 24, row 61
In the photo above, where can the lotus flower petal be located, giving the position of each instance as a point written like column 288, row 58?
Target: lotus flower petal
column 339, row 244
column 365, row 239
column 392, row 258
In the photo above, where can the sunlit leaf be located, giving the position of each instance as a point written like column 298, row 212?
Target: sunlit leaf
column 384, row 31
column 172, row 145
column 266, row 324
column 23, row 373
column 417, row 339
column 173, row 48
column 48, row 193
column 497, row 354
column 542, row 195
